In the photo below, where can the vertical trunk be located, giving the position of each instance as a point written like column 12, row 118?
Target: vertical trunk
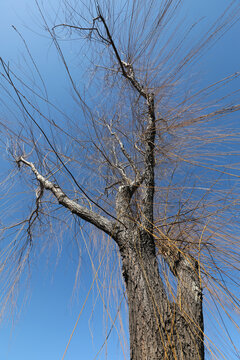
column 148, row 305
column 159, row 329
column 189, row 321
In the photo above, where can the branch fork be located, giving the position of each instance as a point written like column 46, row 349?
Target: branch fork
column 101, row 222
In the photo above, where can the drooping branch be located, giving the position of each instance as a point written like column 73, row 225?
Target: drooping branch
column 21, row 99
column 83, row 212
column 35, row 213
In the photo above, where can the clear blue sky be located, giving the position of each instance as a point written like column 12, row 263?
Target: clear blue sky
column 43, row 326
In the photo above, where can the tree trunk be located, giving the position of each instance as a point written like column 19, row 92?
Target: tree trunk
column 189, row 320
column 159, row 329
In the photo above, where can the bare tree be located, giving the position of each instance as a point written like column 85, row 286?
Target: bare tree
column 145, row 156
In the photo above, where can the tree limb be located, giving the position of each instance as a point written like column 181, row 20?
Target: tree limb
column 127, row 156
column 84, row 213
column 149, row 160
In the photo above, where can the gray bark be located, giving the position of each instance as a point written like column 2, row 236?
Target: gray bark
column 160, row 329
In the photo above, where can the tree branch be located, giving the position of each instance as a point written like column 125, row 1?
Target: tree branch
column 126, row 69
column 149, row 160
column 19, row 96
column 138, row 179
column 148, row 177
column 84, row 213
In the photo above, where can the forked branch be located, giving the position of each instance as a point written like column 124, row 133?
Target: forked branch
column 84, row 213
column 138, row 177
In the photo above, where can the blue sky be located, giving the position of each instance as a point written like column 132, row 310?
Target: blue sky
column 48, row 312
